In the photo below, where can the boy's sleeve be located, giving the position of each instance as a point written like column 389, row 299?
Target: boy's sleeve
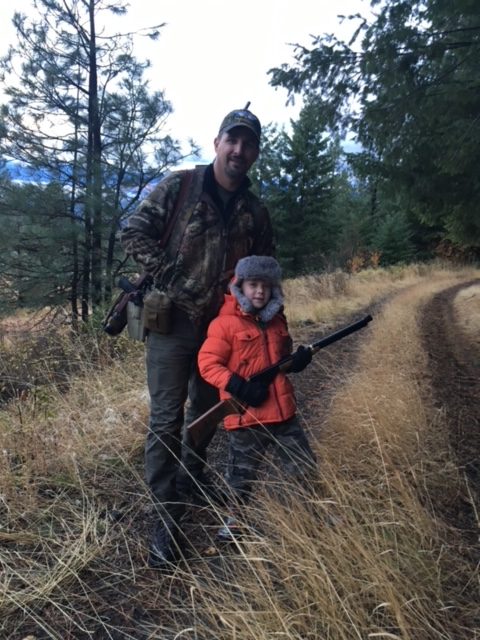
column 214, row 355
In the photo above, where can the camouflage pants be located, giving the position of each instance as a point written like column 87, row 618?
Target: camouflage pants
column 247, row 449
column 178, row 395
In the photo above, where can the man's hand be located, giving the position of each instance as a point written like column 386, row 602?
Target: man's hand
column 301, row 358
column 252, row 394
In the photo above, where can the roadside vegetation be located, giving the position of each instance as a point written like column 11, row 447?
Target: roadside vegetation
column 369, row 550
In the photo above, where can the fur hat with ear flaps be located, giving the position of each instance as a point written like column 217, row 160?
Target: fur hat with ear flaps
column 263, row 268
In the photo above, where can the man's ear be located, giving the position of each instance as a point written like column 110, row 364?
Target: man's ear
column 215, row 142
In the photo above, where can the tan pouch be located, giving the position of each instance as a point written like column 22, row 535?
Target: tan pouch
column 157, row 311
column 135, row 325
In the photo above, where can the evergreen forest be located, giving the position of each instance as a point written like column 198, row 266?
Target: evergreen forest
column 379, row 168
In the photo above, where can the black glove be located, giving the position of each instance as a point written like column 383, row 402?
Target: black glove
column 251, row 393
column 301, row 358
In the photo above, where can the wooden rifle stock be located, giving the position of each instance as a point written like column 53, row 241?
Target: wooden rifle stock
column 202, row 427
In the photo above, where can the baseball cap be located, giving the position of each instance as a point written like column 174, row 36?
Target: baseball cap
column 241, row 118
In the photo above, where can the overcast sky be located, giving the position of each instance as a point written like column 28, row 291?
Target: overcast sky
column 213, row 55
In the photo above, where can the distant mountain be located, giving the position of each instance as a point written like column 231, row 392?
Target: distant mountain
column 20, row 172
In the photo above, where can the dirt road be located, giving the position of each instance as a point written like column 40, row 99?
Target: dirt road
column 454, row 370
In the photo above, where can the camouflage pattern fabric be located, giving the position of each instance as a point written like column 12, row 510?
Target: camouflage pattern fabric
column 200, row 257
column 248, row 446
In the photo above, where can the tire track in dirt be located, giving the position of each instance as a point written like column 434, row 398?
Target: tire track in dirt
column 454, row 369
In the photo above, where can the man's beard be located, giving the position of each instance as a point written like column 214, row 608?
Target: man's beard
column 237, row 171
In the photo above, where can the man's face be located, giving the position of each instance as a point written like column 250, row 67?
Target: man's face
column 257, row 291
column 236, row 150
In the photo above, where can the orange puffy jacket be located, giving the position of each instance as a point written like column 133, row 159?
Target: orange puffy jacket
column 238, row 343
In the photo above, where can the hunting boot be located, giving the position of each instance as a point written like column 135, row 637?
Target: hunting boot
column 165, row 548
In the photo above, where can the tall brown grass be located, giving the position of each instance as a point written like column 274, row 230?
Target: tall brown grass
column 364, row 551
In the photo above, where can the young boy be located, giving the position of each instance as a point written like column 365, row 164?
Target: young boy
column 249, row 334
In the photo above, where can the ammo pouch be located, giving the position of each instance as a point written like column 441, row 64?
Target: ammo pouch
column 157, row 311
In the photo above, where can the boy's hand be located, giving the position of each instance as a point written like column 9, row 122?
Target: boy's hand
column 251, row 393
column 301, row 358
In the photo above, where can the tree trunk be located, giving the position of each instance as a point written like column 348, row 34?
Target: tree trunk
column 94, row 172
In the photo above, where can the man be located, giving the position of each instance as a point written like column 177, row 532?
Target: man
column 222, row 222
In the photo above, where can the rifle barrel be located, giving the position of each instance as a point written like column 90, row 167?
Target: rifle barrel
column 341, row 333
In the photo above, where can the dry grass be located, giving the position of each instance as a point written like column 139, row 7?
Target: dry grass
column 363, row 552
column 324, row 297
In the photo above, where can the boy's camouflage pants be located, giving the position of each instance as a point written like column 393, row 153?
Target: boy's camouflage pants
column 247, row 449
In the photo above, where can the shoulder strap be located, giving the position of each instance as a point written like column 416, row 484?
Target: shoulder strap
column 182, row 194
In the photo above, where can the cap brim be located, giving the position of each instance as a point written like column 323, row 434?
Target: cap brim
column 241, row 125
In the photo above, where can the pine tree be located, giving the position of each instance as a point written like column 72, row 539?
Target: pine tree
column 297, row 174
column 406, row 84
column 81, row 113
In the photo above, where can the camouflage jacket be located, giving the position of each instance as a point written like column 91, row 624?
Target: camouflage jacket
column 205, row 244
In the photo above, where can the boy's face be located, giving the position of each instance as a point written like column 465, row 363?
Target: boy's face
column 258, row 292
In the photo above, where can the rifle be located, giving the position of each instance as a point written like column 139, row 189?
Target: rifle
column 202, row 427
